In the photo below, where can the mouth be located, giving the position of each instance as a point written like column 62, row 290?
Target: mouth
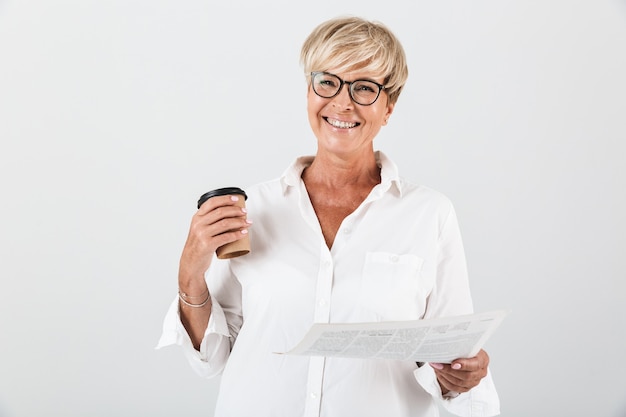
column 341, row 124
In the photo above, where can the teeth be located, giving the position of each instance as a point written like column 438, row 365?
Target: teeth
column 340, row 124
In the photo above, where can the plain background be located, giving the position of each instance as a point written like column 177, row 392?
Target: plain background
column 116, row 115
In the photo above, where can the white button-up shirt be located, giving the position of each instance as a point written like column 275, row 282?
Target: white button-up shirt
column 398, row 256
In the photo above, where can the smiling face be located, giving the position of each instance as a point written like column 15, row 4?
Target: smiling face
column 342, row 127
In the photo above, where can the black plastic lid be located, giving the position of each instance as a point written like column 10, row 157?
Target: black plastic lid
column 221, row 191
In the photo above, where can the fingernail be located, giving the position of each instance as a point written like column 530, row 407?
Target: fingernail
column 436, row 365
column 234, row 198
column 456, row 366
column 248, row 221
column 243, row 209
column 244, row 232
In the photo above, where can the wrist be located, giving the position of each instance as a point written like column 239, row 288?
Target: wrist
column 195, row 301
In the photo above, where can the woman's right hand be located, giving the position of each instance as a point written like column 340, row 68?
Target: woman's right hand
column 217, row 222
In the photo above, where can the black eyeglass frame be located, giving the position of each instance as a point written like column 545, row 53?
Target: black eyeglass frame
column 381, row 87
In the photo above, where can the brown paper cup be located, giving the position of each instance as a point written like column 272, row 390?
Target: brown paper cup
column 238, row 247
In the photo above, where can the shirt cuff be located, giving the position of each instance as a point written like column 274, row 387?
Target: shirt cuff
column 426, row 377
column 214, row 347
column 451, row 394
column 480, row 401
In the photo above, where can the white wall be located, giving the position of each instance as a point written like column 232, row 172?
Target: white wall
column 116, row 115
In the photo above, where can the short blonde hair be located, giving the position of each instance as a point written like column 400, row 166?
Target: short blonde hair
column 352, row 43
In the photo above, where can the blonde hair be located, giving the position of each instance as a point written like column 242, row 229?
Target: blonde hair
column 352, row 43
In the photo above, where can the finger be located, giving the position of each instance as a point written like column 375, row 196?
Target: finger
column 458, row 382
column 206, row 226
column 447, row 377
column 223, row 231
column 450, row 383
column 218, row 201
column 230, row 229
column 443, row 366
column 228, row 237
column 219, row 214
column 477, row 363
column 203, row 240
column 458, row 378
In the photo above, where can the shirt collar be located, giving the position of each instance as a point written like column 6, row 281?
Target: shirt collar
column 388, row 172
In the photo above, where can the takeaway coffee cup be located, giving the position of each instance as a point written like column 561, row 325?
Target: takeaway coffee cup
column 238, row 247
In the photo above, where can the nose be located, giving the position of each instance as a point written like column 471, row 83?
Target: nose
column 343, row 99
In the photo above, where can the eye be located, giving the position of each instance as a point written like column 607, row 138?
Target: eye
column 365, row 87
column 328, row 82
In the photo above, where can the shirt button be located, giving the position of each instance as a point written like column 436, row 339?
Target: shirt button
column 313, row 395
column 394, row 258
column 322, row 302
column 346, row 231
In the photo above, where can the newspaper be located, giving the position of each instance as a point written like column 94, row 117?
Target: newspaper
column 431, row 340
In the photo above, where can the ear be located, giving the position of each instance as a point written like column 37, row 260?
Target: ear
column 390, row 108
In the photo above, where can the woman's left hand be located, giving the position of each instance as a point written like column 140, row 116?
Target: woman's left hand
column 462, row 374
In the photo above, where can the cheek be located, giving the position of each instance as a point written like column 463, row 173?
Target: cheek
column 314, row 104
column 312, row 99
column 313, row 109
column 376, row 118
column 382, row 116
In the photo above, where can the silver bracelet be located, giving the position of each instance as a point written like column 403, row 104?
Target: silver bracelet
column 185, row 302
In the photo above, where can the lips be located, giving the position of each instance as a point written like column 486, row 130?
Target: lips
column 339, row 124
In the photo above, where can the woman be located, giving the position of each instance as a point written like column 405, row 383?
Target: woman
column 339, row 237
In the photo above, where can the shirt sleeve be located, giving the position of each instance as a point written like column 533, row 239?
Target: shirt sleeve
column 214, row 348
column 451, row 296
column 480, row 401
column 222, row 329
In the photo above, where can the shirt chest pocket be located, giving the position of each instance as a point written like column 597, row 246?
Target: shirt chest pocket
column 392, row 286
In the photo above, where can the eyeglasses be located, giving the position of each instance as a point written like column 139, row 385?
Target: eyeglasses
column 363, row 92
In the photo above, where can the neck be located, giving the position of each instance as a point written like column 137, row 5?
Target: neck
column 337, row 173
